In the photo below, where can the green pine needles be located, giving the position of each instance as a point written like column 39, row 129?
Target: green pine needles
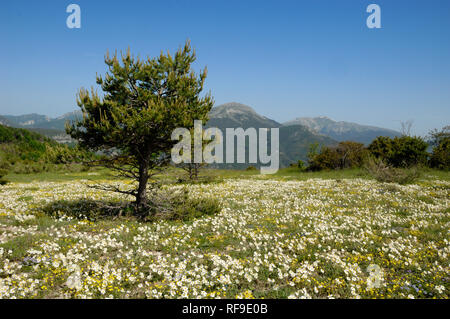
column 143, row 101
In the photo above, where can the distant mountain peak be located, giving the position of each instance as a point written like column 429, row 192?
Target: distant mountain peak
column 239, row 115
column 72, row 114
column 232, row 108
column 341, row 130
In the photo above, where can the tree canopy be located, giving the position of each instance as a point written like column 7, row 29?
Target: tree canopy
column 142, row 102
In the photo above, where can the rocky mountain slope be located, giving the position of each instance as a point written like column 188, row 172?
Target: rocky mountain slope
column 343, row 131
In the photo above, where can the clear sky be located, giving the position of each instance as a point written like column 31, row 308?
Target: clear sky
column 286, row 59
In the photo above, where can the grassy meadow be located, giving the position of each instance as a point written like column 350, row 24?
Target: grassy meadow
column 331, row 234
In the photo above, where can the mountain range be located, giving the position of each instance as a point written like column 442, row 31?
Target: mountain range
column 34, row 120
column 295, row 136
column 294, row 140
column 343, row 131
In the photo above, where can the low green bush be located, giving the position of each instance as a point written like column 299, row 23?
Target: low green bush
column 301, row 165
column 164, row 205
column 3, row 172
column 382, row 172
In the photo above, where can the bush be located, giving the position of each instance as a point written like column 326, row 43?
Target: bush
column 382, row 172
column 405, row 151
column 351, row 154
column 84, row 209
column 28, row 167
column 381, row 147
column 346, row 154
column 164, row 205
column 408, row 151
column 299, row 165
column 251, row 168
column 3, row 172
column 328, row 158
column 440, row 158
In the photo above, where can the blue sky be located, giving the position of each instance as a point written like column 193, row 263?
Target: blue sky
column 286, row 59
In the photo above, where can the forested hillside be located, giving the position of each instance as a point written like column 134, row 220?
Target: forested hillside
column 22, row 150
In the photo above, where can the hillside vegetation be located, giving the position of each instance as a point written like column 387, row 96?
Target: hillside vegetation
column 24, row 151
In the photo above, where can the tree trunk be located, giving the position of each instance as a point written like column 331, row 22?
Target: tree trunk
column 141, row 196
column 190, row 171
column 196, row 171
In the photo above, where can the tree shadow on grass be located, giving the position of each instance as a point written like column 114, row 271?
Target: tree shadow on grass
column 88, row 209
column 164, row 205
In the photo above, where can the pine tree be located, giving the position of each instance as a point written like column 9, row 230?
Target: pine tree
column 143, row 101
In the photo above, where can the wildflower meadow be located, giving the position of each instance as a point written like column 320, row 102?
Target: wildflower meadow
column 273, row 238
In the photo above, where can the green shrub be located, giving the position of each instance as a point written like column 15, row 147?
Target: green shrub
column 382, row 172
column 408, row 151
column 21, row 168
column 301, row 165
column 381, row 147
column 193, row 208
column 164, row 205
column 251, row 168
column 346, row 154
column 328, row 158
column 351, row 154
column 80, row 209
column 404, row 151
column 29, row 167
column 3, row 172
column 440, row 157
